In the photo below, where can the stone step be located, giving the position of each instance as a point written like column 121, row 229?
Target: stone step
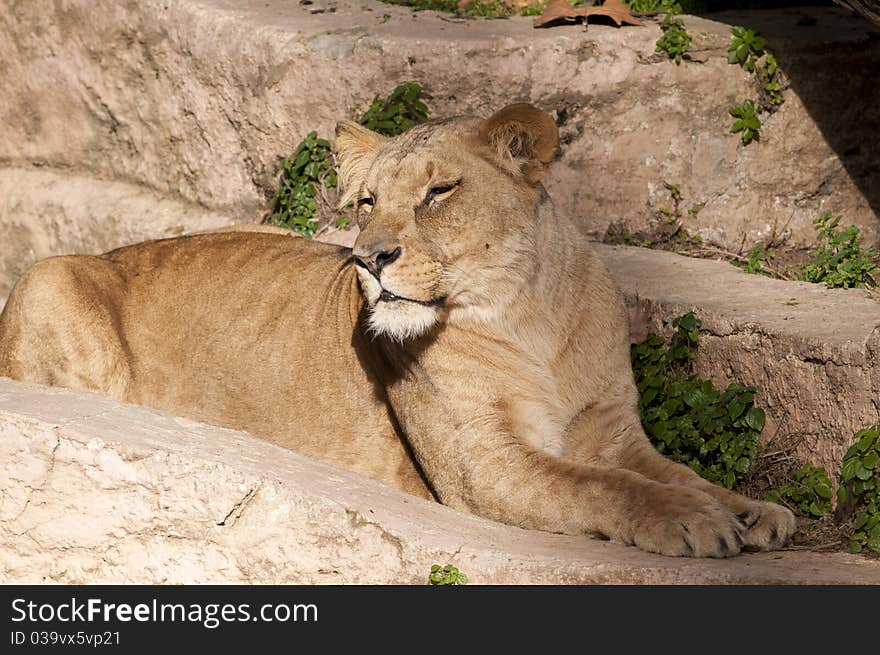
column 100, row 492
column 201, row 98
column 47, row 212
column 812, row 352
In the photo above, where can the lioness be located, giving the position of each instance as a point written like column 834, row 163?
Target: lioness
column 471, row 330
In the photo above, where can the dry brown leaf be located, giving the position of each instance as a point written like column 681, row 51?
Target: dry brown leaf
column 613, row 9
column 557, row 10
column 561, row 10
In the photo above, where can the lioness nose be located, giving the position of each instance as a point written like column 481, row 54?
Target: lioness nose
column 378, row 259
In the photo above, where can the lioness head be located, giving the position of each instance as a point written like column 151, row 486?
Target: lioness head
column 448, row 214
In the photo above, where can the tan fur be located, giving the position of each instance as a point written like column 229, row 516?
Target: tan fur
column 485, row 336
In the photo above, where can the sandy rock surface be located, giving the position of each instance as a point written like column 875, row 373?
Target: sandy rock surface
column 201, row 98
column 96, row 491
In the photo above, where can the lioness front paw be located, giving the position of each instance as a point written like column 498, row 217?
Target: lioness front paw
column 685, row 522
column 768, row 526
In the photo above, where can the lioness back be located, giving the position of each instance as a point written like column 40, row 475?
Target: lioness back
column 244, row 330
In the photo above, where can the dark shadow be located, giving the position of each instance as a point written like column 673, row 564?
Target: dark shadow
column 385, row 362
column 831, row 57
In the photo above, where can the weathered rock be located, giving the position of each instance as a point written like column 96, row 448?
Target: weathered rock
column 44, row 213
column 96, row 491
column 202, row 99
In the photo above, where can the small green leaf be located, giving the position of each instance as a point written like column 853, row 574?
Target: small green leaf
column 862, row 473
column 866, row 443
column 848, row 472
column 756, row 418
column 823, row 490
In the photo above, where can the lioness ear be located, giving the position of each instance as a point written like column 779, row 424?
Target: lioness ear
column 524, row 135
column 356, row 146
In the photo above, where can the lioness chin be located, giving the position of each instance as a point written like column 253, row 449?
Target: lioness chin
column 471, row 330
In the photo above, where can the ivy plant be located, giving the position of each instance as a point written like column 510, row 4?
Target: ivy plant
column 295, row 201
column 745, row 48
column 398, row 112
column 714, row 432
column 860, row 489
column 747, row 122
column 675, row 41
column 839, row 260
column 754, row 261
column 476, row 8
column 310, row 169
column 766, row 75
column 446, row 575
column 653, row 6
column 748, row 49
column 807, row 492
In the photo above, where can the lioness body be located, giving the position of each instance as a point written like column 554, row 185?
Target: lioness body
column 249, row 354
column 471, row 324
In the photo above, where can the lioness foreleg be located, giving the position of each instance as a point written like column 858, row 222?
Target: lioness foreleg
column 767, row 525
column 474, row 465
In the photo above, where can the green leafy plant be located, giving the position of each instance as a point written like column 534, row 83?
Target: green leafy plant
column 295, row 202
column 747, row 122
column 859, row 489
column 769, row 86
column 446, row 575
column 450, row 6
column 839, row 260
column 477, row 8
column 675, row 41
column 534, row 9
column 309, row 173
column 714, row 432
column 672, row 215
column 745, row 48
column 807, row 492
column 655, row 6
column 486, row 9
column 398, row 112
column 754, row 261
column 748, row 49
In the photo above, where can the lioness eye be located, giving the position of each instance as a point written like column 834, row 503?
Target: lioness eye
column 437, row 192
column 365, row 202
